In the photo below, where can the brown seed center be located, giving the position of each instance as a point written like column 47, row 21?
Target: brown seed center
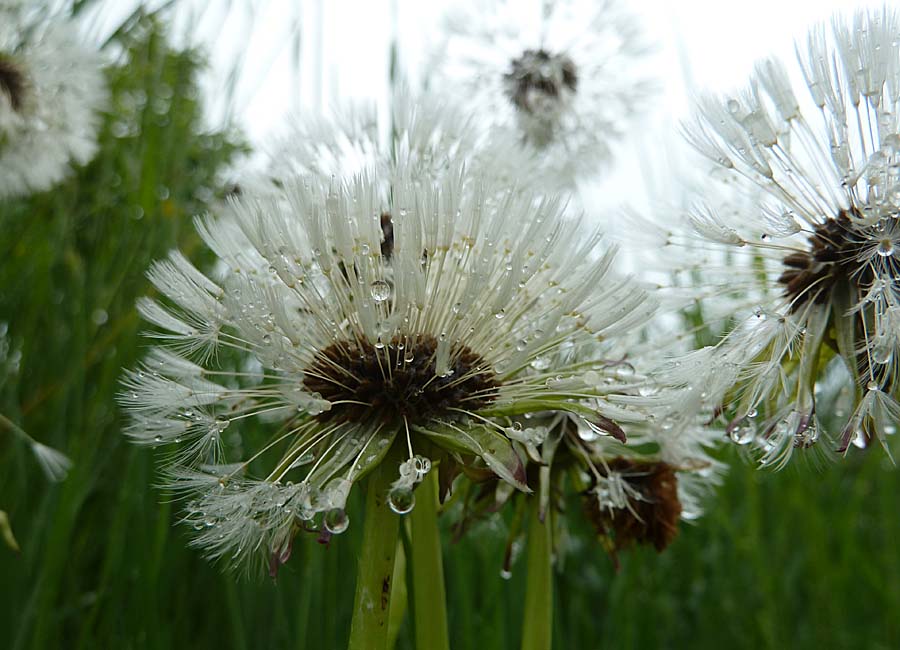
column 834, row 255
column 398, row 381
column 12, row 83
column 538, row 73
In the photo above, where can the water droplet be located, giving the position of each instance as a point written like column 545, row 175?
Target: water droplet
column 506, row 574
column 222, row 423
column 500, row 314
column 743, row 435
column 336, row 521
column 421, row 465
column 380, row 290
column 401, row 500
column 882, row 352
column 540, row 363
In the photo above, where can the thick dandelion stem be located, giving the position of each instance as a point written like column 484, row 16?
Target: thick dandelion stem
column 537, row 628
column 429, row 598
column 375, row 575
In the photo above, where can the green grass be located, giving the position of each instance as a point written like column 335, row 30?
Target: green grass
column 796, row 559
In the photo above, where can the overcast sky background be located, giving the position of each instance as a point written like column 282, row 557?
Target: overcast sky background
column 296, row 56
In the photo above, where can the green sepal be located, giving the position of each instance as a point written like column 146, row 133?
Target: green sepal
column 490, row 445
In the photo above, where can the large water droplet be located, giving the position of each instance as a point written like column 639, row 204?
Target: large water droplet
column 885, row 248
column 882, row 352
column 336, row 521
column 380, row 290
column 401, row 500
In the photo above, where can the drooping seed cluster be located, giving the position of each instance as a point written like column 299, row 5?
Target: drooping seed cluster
column 635, row 502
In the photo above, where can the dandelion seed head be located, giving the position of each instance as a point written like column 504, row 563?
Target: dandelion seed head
column 814, row 242
column 363, row 350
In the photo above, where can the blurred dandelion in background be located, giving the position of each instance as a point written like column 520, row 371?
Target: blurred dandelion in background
column 428, row 135
column 564, row 77
column 52, row 89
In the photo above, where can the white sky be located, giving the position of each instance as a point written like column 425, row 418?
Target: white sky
column 719, row 41
column 303, row 55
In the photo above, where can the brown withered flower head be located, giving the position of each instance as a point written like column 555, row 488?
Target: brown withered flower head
column 634, row 502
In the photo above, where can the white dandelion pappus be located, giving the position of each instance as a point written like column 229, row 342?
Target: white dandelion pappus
column 429, row 350
column 52, row 89
column 426, row 133
column 825, row 242
column 561, row 76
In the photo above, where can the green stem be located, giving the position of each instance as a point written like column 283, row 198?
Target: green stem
column 429, row 598
column 375, row 575
column 537, row 628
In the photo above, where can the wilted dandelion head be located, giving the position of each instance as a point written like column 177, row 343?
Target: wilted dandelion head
column 52, row 88
column 634, row 502
column 311, row 357
column 821, row 350
column 563, row 77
